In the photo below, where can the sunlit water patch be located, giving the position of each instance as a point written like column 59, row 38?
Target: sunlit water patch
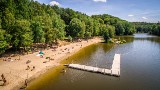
column 140, row 67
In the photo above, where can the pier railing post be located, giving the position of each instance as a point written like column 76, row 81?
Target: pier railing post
column 118, row 73
column 111, row 72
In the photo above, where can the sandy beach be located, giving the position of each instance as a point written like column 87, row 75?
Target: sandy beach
column 15, row 71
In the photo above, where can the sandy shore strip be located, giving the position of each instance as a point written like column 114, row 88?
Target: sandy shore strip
column 15, row 71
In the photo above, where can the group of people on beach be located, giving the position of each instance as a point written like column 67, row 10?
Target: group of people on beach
column 28, row 67
column 3, row 80
column 7, row 59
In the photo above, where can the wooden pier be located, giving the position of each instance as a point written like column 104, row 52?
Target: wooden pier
column 114, row 71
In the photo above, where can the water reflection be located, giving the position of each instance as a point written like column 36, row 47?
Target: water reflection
column 140, row 61
column 127, row 38
column 83, row 56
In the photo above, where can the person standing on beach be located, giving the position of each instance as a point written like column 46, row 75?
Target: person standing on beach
column 2, row 76
column 25, row 83
column 3, row 79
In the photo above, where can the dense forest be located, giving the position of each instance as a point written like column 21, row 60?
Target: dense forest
column 26, row 22
column 151, row 28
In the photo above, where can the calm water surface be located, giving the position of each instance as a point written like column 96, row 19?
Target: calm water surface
column 140, row 67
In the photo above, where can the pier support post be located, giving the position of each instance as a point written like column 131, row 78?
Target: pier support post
column 111, row 72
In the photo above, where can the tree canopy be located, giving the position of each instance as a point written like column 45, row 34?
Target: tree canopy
column 151, row 28
column 24, row 22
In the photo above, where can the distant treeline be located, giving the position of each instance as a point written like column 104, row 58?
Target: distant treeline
column 151, row 28
column 24, row 22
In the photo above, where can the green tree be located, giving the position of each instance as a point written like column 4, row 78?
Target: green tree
column 22, row 35
column 28, row 21
column 4, row 41
column 47, row 27
column 89, row 26
column 67, row 15
column 120, row 28
column 8, row 20
column 82, row 31
column 111, row 31
column 59, row 26
column 158, row 30
column 22, row 9
column 0, row 23
column 38, row 33
column 88, row 35
column 106, row 34
column 151, row 28
column 96, row 28
column 76, row 28
column 129, row 29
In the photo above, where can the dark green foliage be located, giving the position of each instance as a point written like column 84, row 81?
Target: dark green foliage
column 122, row 27
column 23, row 22
column 76, row 28
column 129, row 29
column 155, row 30
column 151, row 28
column 8, row 20
column 4, row 41
column 68, row 15
column 22, row 35
column 88, row 35
column 89, row 27
column 96, row 28
column 21, row 9
column 59, row 25
column 111, row 31
column 106, row 35
column 70, row 38
column 37, row 28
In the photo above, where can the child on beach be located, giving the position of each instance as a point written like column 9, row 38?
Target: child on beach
column 4, row 80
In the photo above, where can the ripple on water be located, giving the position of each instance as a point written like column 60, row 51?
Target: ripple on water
column 140, row 66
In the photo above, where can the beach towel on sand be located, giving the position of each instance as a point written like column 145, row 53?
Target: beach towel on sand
column 40, row 53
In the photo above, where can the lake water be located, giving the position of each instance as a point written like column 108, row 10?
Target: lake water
column 140, row 67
